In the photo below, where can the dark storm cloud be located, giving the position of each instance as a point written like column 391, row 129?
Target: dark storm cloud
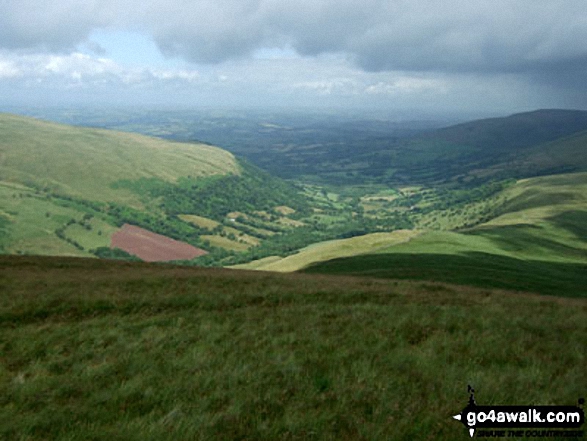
column 497, row 36
column 46, row 25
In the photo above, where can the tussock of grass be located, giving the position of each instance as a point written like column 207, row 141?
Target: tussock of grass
column 97, row 349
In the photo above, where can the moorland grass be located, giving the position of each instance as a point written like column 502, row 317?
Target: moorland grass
column 109, row 350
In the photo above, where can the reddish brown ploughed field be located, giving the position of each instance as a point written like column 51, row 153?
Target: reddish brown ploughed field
column 152, row 247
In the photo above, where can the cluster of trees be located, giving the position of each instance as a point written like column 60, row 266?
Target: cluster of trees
column 216, row 196
column 113, row 253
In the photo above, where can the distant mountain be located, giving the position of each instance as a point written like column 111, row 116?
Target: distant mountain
column 522, row 145
column 494, row 148
column 514, row 132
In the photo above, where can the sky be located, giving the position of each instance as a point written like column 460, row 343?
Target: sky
column 481, row 56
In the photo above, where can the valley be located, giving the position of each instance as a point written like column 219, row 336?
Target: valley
column 318, row 291
column 269, row 220
column 490, row 189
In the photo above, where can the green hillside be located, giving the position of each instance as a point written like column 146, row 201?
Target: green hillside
column 327, row 250
column 100, row 349
column 64, row 190
column 538, row 243
column 85, row 163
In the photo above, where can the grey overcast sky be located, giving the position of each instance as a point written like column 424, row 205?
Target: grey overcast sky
column 494, row 56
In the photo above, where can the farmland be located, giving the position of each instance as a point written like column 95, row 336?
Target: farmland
column 244, row 217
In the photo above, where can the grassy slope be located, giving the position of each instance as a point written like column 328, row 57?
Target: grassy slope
column 85, row 162
column 539, row 244
column 95, row 349
column 541, row 220
column 331, row 249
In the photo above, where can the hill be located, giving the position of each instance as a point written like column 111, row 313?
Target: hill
column 518, row 131
column 85, row 162
column 331, row 249
column 94, row 349
column 523, row 145
column 65, row 190
column 469, row 153
column 537, row 243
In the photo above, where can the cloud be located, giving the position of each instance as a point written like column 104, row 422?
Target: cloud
column 47, row 25
column 417, row 35
column 82, row 70
column 270, row 51
column 8, row 69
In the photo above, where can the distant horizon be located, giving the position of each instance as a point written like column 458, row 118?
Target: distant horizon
column 390, row 115
column 458, row 57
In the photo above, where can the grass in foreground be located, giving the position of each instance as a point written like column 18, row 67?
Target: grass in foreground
column 102, row 350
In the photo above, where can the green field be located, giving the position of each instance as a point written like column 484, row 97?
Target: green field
column 200, row 221
column 99, row 349
column 31, row 221
column 224, row 242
